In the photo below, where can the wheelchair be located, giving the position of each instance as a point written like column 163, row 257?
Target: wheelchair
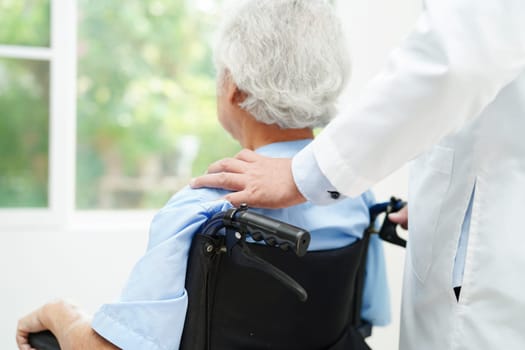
column 241, row 298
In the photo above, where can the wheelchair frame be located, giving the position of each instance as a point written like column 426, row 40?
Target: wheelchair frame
column 239, row 224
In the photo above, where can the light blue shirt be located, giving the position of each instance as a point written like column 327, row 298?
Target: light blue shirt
column 461, row 254
column 151, row 311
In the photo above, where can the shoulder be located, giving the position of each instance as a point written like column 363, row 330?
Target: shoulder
column 184, row 213
column 203, row 197
column 188, row 206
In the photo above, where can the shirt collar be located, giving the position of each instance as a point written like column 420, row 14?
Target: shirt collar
column 284, row 149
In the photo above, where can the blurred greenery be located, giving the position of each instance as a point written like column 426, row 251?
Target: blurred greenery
column 146, row 102
column 145, row 82
column 24, row 106
column 24, row 110
column 25, row 22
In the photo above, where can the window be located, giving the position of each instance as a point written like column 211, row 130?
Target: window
column 146, row 101
column 24, row 103
column 25, row 22
column 104, row 106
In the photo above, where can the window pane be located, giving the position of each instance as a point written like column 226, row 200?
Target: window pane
column 146, row 101
column 24, row 119
column 25, row 22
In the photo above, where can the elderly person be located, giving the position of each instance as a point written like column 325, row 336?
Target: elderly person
column 281, row 66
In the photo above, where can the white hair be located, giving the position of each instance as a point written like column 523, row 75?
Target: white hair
column 288, row 56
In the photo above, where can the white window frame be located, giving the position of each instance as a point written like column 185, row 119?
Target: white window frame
column 61, row 212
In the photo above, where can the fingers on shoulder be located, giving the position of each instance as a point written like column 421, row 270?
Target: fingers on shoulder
column 227, row 181
column 230, row 165
column 248, row 155
column 241, row 197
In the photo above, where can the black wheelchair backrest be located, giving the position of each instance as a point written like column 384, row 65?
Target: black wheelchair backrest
column 242, row 295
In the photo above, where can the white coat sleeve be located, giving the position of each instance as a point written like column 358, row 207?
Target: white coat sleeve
column 460, row 55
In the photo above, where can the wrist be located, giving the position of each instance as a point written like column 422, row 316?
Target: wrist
column 46, row 316
column 310, row 181
column 59, row 316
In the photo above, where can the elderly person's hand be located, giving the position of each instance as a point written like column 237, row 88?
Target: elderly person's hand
column 259, row 181
column 70, row 326
column 29, row 324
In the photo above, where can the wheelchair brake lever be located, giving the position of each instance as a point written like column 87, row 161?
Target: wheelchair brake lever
column 243, row 256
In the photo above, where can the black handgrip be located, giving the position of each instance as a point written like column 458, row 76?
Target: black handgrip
column 44, row 340
column 274, row 232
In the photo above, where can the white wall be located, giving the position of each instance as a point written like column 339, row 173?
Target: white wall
column 88, row 267
column 91, row 266
column 374, row 28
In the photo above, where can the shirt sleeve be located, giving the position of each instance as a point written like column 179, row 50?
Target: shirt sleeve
column 455, row 62
column 311, row 181
column 151, row 311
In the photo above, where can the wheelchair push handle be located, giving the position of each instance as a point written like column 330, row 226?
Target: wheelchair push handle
column 388, row 231
column 274, row 232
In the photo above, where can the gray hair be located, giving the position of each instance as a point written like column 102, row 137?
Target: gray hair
column 288, row 56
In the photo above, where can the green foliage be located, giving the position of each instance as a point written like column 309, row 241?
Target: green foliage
column 24, row 106
column 146, row 80
column 25, row 22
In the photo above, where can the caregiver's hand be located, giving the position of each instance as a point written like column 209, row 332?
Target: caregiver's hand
column 401, row 217
column 256, row 180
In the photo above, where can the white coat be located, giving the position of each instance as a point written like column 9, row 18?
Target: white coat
column 453, row 95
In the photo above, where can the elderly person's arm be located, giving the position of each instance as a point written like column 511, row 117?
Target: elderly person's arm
column 70, row 326
column 151, row 310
